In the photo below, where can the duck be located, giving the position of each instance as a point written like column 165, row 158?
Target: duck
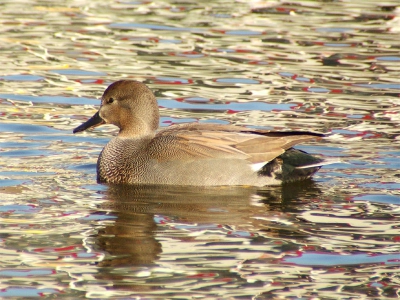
column 191, row 154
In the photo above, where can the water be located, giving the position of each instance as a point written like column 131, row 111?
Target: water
column 323, row 66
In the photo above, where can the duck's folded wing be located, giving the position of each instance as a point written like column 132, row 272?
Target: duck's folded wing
column 202, row 141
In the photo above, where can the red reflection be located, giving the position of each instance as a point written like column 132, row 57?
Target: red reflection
column 203, row 275
column 49, row 249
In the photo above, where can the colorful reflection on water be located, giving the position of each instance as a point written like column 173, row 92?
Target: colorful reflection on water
column 322, row 66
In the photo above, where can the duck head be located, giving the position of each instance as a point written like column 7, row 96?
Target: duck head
column 129, row 105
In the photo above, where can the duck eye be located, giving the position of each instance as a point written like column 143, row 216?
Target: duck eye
column 111, row 100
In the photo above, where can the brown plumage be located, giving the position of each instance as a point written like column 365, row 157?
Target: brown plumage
column 191, row 154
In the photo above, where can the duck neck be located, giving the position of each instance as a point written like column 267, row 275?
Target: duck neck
column 138, row 129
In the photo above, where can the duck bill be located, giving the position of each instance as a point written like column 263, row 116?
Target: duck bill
column 94, row 121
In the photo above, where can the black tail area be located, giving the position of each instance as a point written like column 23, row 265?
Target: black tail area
column 292, row 166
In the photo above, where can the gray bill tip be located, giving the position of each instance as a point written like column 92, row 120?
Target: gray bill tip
column 94, row 121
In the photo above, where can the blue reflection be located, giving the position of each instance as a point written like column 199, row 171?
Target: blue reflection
column 322, row 259
column 20, row 77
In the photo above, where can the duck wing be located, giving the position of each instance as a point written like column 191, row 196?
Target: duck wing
column 202, row 141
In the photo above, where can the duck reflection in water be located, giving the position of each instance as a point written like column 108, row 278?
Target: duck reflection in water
column 132, row 239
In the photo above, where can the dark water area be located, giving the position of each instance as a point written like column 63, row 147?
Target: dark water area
column 325, row 66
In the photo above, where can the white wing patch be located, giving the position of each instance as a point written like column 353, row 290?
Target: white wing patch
column 322, row 163
column 258, row 166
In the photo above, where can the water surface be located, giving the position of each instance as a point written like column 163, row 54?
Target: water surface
column 330, row 67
